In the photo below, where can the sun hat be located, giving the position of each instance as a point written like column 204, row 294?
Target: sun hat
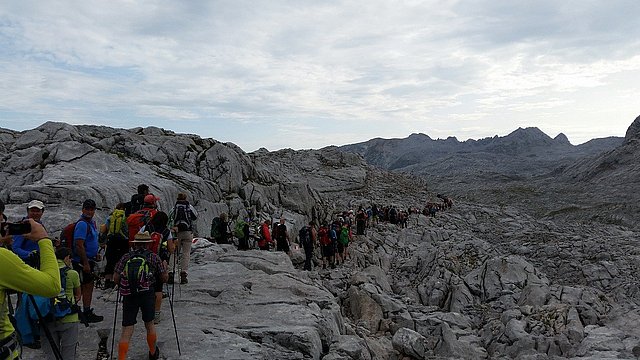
column 142, row 237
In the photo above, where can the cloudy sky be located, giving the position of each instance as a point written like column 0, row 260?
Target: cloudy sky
column 307, row 74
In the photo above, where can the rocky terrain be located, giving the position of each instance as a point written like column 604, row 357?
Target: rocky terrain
column 482, row 280
column 548, row 178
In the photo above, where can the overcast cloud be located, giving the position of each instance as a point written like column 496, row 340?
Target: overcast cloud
column 307, row 74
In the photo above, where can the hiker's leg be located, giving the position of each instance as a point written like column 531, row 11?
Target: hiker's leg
column 87, row 294
column 68, row 340
column 147, row 306
column 152, row 337
column 46, row 346
column 123, row 345
column 185, row 237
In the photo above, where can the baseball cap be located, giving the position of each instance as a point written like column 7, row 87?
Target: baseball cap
column 89, row 204
column 151, row 199
column 35, row 204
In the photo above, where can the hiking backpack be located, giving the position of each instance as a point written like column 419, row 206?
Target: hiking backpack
column 238, row 230
column 61, row 306
column 305, row 236
column 344, row 236
column 138, row 220
column 116, row 220
column 66, row 235
column 136, row 275
column 136, row 204
column 323, row 234
column 182, row 217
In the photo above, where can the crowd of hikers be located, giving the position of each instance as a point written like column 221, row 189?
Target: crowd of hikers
column 52, row 281
column 141, row 249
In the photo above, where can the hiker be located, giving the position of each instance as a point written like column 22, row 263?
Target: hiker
column 18, row 276
column 21, row 246
column 164, row 246
column 85, row 252
column 64, row 330
column 307, row 237
column 137, row 200
column 326, row 247
column 265, row 241
column 344, row 238
column 361, row 220
column 140, row 218
column 183, row 215
column 117, row 242
column 282, row 237
column 220, row 229
column 242, row 232
column 334, row 234
column 136, row 273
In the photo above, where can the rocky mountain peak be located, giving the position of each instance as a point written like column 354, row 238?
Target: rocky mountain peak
column 561, row 139
column 633, row 132
column 529, row 136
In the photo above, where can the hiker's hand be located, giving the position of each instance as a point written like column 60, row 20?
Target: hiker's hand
column 37, row 231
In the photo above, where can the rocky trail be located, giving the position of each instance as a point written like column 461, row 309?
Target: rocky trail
column 478, row 281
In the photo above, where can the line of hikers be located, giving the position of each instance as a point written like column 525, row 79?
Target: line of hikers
column 143, row 248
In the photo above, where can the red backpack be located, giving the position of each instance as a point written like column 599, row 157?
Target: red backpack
column 323, row 234
column 66, row 236
column 137, row 220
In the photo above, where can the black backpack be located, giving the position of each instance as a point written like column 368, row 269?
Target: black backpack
column 136, row 203
column 60, row 305
column 136, row 275
column 182, row 217
column 305, row 236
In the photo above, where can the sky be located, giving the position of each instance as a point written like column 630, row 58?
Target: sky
column 308, row 74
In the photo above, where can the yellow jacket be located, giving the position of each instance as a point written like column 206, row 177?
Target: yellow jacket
column 16, row 275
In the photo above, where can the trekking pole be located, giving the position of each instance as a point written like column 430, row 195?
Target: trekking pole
column 54, row 346
column 175, row 329
column 115, row 318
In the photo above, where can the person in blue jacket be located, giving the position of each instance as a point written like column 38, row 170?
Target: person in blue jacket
column 22, row 246
column 85, row 256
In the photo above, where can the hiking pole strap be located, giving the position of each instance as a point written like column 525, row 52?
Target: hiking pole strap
column 54, row 346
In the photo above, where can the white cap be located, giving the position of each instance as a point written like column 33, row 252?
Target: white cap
column 36, row 204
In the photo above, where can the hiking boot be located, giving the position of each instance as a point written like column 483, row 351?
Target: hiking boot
column 156, row 354
column 170, row 281
column 90, row 317
column 183, row 278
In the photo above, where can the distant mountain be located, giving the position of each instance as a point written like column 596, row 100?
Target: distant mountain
column 524, row 152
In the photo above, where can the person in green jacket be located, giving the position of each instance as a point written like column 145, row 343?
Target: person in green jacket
column 18, row 276
column 64, row 331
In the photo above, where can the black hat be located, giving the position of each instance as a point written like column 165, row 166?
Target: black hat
column 89, row 204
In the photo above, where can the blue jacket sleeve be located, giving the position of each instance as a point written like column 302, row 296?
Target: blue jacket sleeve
column 18, row 243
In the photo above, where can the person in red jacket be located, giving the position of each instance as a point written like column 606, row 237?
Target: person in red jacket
column 265, row 241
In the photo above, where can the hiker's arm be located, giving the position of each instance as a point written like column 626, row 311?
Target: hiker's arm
column 18, row 241
column 15, row 274
column 77, row 294
column 82, row 253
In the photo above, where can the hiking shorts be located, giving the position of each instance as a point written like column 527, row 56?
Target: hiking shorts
column 144, row 301
column 328, row 250
column 85, row 278
column 157, row 285
column 282, row 245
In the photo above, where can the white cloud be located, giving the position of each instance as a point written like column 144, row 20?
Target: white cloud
column 461, row 68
